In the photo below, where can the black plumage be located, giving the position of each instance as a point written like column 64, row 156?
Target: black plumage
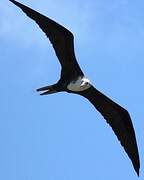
column 63, row 43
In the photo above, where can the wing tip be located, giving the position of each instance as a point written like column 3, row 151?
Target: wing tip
column 137, row 168
column 12, row 1
column 15, row 2
column 137, row 171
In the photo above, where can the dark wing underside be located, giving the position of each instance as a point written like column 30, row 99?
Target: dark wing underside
column 119, row 119
column 61, row 39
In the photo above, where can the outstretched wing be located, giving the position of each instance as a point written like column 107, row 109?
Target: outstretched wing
column 119, row 119
column 61, row 39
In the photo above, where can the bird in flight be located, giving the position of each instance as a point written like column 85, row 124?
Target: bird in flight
column 73, row 80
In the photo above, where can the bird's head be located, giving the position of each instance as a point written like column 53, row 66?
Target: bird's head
column 85, row 82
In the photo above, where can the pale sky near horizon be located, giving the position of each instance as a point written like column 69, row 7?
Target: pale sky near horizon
column 61, row 136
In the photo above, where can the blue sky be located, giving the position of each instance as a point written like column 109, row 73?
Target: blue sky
column 61, row 136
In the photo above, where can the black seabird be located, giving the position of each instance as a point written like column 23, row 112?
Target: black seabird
column 72, row 80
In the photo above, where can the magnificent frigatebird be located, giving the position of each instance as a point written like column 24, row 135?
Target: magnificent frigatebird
column 72, row 80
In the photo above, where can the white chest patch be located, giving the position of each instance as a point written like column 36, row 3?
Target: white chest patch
column 81, row 84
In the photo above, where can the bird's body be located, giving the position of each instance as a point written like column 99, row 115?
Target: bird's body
column 73, row 80
column 80, row 84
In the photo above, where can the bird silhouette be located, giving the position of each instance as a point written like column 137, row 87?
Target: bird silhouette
column 73, row 80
